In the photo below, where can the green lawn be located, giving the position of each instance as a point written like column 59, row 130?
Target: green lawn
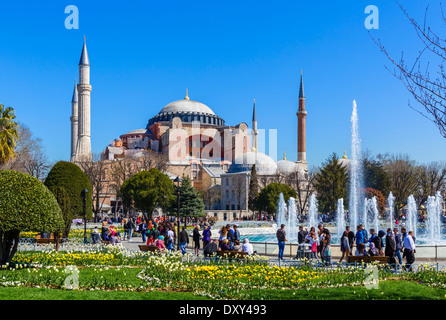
column 388, row 290
column 22, row 293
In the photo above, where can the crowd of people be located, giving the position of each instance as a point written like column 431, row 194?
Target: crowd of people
column 391, row 244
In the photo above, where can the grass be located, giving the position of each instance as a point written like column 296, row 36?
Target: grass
column 23, row 293
column 388, row 290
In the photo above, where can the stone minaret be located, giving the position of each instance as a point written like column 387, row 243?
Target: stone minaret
column 301, row 115
column 74, row 122
column 254, row 131
column 83, row 148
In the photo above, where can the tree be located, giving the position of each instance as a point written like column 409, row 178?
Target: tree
column 304, row 186
column 29, row 155
column 73, row 180
column 146, row 190
column 331, row 184
column 269, row 196
column 25, row 205
column 95, row 170
column 370, row 193
column 426, row 87
column 375, row 176
column 120, row 171
column 431, row 178
column 63, row 201
column 191, row 204
column 402, row 173
column 253, row 189
column 8, row 133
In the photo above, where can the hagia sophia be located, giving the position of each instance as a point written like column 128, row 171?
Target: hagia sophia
column 196, row 143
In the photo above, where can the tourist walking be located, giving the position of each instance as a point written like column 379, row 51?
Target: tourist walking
column 390, row 246
column 196, row 239
column 126, row 229
column 345, row 246
column 398, row 245
column 409, row 250
column 281, row 238
column 184, row 240
column 143, row 230
column 130, row 227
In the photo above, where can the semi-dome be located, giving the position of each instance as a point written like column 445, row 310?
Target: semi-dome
column 188, row 111
column 265, row 165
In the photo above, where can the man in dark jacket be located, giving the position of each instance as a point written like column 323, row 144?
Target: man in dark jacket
column 211, row 248
column 390, row 246
column 184, row 240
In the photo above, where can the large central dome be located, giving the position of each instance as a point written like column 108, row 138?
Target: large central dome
column 186, row 105
column 188, row 111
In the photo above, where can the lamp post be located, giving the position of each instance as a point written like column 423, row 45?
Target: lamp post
column 84, row 196
column 178, row 180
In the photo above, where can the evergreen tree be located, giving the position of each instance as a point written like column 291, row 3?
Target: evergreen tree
column 253, row 190
column 73, row 180
column 191, row 204
column 331, row 184
column 375, row 176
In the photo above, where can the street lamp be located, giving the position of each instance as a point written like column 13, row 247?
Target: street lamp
column 178, row 180
column 84, row 196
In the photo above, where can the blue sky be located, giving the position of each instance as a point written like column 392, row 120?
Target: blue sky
column 145, row 54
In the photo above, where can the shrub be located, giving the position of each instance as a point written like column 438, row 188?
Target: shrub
column 25, row 205
column 71, row 178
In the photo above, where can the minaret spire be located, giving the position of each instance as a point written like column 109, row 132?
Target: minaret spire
column 301, row 89
column 254, row 131
column 83, row 147
column 74, row 122
column 301, row 124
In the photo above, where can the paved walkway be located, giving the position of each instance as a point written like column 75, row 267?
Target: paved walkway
column 136, row 241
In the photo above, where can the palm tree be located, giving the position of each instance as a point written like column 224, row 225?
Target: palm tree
column 8, row 133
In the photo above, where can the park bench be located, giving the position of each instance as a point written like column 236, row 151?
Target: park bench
column 232, row 254
column 368, row 259
column 40, row 240
column 143, row 247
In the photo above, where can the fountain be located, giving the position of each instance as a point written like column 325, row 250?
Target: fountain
column 390, row 203
column 292, row 227
column 373, row 208
column 281, row 211
column 340, row 217
column 433, row 225
column 312, row 212
column 412, row 214
column 355, row 173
